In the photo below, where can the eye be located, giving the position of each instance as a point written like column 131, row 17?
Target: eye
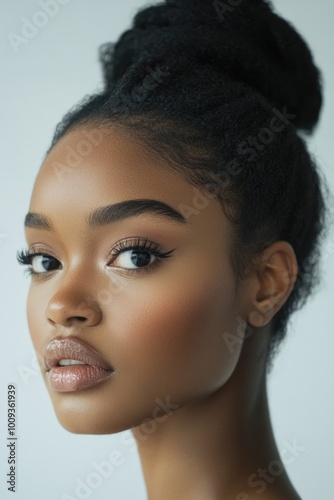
column 39, row 263
column 131, row 259
column 136, row 255
column 132, row 255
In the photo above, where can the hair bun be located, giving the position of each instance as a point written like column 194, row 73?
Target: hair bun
column 248, row 42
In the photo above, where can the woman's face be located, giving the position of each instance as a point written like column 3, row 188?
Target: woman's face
column 159, row 323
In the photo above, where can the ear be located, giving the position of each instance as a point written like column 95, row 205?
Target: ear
column 275, row 274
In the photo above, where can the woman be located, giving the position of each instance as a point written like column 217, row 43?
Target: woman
column 173, row 228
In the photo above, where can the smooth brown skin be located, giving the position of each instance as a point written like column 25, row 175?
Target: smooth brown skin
column 162, row 331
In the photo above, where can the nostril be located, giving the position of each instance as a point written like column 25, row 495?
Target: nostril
column 67, row 314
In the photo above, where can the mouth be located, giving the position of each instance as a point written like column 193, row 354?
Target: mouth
column 71, row 365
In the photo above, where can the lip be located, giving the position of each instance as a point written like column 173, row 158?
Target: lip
column 74, row 377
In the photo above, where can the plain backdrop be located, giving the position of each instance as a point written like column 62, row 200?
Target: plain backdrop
column 40, row 81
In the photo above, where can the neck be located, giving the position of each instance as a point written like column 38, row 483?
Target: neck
column 212, row 448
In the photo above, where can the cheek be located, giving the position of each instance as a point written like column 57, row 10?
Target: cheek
column 35, row 310
column 165, row 339
column 172, row 336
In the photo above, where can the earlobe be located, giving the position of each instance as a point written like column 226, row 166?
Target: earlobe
column 275, row 275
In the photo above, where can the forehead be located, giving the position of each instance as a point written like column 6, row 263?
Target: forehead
column 92, row 167
column 113, row 163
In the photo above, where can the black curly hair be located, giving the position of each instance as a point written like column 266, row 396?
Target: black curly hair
column 224, row 91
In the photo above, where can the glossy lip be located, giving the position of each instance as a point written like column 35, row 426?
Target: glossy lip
column 74, row 377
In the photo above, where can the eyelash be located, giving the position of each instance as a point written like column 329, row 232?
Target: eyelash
column 24, row 257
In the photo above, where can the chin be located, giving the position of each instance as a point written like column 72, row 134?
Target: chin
column 76, row 421
column 87, row 412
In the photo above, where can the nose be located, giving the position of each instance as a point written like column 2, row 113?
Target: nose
column 67, row 310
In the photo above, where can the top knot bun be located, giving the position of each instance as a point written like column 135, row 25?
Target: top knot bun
column 243, row 39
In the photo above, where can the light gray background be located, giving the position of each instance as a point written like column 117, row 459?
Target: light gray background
column 40, row 83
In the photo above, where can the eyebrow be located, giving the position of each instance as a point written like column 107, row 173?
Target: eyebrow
column 113, row 213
